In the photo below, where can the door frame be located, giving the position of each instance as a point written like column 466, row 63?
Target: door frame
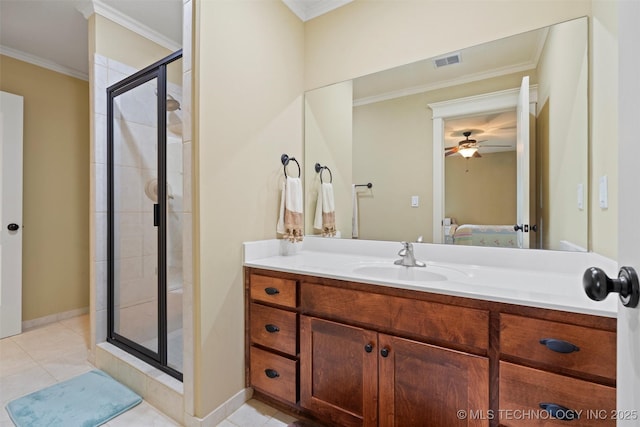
column 11, row 153
column 494, row 102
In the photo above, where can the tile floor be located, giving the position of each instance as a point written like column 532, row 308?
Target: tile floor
column 52, row 353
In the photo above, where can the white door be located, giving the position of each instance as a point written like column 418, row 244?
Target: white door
column 10, row 214
column 628, row 375
column 522, row 153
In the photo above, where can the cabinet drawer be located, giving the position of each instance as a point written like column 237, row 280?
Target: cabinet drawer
column 274, row 328
column 273, row 290
column 523, row 389
column 274, row 375
column 596, row 355
column 417, row 318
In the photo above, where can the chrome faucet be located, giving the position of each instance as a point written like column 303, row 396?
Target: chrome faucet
column 408, row 259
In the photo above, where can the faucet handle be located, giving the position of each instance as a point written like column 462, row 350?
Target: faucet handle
column 406, row 245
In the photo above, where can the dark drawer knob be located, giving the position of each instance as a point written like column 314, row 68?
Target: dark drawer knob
column 560, row 412
column 559, row 346
column 384, row 352
column 13, row 227
column 271, row 373
column 271, row 328
column 598, row 285
column 368, row 348
column 271, row 291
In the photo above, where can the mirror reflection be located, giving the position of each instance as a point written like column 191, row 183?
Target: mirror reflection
column 449, row 157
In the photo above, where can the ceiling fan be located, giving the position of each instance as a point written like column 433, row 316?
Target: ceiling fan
column 467, row 148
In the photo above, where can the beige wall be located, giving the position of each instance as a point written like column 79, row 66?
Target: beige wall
column 116, row 42
column 604, row 126
column 481, row 190
column 55, row 266
column 562, row 99
column 339, row 46
column 393, row 149
column 248, row 111
column 328, row 133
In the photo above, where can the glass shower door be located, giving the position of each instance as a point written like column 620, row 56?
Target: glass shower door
column 144, row 214
column 135, row 216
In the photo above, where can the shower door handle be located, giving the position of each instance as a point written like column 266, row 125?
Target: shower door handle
column 156, row 214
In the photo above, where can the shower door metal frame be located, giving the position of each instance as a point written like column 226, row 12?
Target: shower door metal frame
column 156, row 71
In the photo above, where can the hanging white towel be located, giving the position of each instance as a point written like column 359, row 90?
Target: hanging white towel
column 290, row 218
column 354, row 212
column 325, row 218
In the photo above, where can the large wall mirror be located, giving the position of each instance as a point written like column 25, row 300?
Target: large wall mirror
column 461, row 148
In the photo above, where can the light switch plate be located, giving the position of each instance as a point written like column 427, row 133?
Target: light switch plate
column 580, row 196
column 415, row 201
column 604, row 192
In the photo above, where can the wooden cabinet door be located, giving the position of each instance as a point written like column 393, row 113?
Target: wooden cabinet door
column 425, row 385
column 338, row 375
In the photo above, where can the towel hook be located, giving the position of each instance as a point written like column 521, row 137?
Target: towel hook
column 320, row 169
column 285, row 161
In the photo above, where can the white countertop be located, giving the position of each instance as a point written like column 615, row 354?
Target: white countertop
column 536, row 278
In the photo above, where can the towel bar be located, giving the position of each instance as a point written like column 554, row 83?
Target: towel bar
column 368, row 185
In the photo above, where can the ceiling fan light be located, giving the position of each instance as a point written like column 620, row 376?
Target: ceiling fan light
column 468, row 152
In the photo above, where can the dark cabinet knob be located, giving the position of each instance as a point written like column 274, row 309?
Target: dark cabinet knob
column 271, row 373
column 384, row 352
column 13, row 227
column 560, row 412
column 271, row 291
column 559, row 346
column 598, row 285
column 271, row 328
column 368, row 348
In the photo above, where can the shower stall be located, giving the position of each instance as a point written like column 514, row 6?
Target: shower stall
column 145, row 214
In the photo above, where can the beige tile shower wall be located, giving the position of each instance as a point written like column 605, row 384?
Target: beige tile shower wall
column 115, row 53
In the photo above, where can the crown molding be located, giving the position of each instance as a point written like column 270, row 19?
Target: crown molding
column 97, row 7
column 309, row 10
column 41, row 62
column 444, row 84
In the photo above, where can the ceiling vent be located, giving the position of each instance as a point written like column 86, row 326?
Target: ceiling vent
column 447, row 60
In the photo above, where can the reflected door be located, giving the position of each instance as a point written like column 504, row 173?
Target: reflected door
column 11, row 122
column 522, row 154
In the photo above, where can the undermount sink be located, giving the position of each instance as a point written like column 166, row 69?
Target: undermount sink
column 398, row 272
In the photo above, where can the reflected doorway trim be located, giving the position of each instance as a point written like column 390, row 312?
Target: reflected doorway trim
column 456, row 108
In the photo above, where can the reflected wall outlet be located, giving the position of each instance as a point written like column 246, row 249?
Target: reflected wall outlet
column 415, row 201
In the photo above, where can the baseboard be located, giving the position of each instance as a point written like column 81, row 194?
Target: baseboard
column 219, row 414
column 52, row 318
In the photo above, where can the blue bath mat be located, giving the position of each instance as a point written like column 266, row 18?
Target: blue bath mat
column 88, row 400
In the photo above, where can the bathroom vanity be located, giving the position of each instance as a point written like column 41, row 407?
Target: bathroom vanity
column 353, row 340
